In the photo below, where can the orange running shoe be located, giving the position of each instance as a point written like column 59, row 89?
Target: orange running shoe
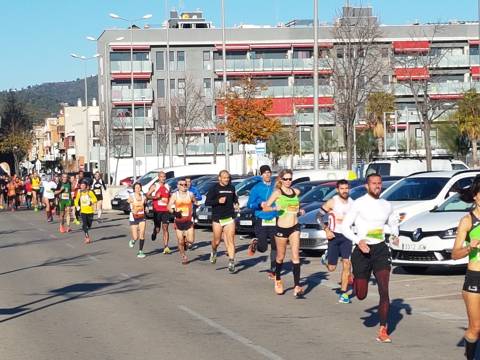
column 87, row 240
column 383, row 335
column 298, row 291
column 279, row 287
column 62, row 229
column 252, row 248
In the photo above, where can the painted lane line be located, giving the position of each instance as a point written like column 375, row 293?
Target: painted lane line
column 413, row 279
column 69, row 245
column 231, row 334
column 125, row 275
column 53, row 236
column 93, row 258
column 433, row 296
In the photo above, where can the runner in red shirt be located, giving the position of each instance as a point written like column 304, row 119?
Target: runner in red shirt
column 159, row 193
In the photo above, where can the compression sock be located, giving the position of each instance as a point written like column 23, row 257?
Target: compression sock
column 296, row 274
column 383, row 278
column 278, row 270
column 140, row 244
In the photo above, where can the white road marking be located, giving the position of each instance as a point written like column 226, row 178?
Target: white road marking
column 412, row 279
column 125, row 275
column 93, row 258
column 42, row 230
column 53, row 236
column 69, row 245
column 31, row 224
column 432, row 296
column 233, row 335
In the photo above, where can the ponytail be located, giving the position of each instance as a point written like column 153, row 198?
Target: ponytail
column 467, row 194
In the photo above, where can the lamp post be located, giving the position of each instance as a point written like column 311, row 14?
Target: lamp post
column 87, row 128
column 315, row 86
column 224, row 60
column 144, row 135
column 132, row 90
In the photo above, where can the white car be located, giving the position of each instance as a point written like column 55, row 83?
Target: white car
column 427, row 239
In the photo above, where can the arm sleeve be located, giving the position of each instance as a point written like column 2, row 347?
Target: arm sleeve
column 253, row 199
column 211, row 197
column 393, row 222
column 348, row 222
column 104, row 186
column 92, row 196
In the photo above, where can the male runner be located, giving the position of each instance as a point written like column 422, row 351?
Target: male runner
column 98, row 187
column 36, row 182
column 265, row 222
column 331, row 216
column 49, row 187
column 159, row 193
column 223, row 200
column 64, row 193
column 369, row 213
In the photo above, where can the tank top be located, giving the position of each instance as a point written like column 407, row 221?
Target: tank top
column 183, row 203
column 162, row 191
column 287, row 204
column 474, row 233
column 35, row 183
column 336, row 216
column 137, row 207
column 98, row 187
column 66, row 194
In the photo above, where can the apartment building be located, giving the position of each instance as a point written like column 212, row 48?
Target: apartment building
column 188, row 49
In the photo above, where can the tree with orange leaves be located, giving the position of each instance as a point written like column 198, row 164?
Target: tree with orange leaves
column 247, row 119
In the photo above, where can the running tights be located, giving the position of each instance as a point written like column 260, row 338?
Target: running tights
column 87, row 220
column 470, row 349
column 361, row 290
column 296, row 272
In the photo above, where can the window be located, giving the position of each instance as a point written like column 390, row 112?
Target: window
column 180, row 60
column 148, row 144
column 160, row 60
column 172, row 85
column 207, row 86
column 171, row 60
column 181, row 86
column 160, row 88
column 385, row 79
column 415, row 189
column 208, row 112
column 206, row 60
column 384, row 52
column 339, row 53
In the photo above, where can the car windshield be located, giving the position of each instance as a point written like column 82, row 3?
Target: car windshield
column 318, row 193
column 244, row 186
column 454, row 204
column 205, row 186
column 415, row 189
column 304, row 187
column 145, row 179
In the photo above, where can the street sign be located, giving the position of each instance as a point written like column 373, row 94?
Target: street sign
column 261, row 148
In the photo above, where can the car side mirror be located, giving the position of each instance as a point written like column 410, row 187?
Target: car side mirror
column 434, row 208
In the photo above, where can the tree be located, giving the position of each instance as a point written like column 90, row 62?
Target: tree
column 378, row 104
column 162, row 133
column 18, row 144
column 120, row 139
column 358, row 67
column 413, row 73
column 451, row 139
column 467, row 116
column 283, row 143
column 366, row 143
column 247, row 119
column 188, row 112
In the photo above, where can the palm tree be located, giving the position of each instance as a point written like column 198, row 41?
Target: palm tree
column 467, row 116
column 378, row 104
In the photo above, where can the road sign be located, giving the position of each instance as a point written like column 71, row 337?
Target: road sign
column 261, row 148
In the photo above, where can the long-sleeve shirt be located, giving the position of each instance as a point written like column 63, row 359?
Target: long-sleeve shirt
column 225, row 210
column 260, row 193
column 85, row 199
column 369, row 216
column 195, row 192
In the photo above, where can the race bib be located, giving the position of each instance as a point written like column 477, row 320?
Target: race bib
column 97, row 191
column 65, row 196
column 225, row 221
column 270, row 222
column 293, row 209
column 376, row 234
column 85, row 200
column 184, row 211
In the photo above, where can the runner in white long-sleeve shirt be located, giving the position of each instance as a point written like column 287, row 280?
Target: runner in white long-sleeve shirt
column 370, row 214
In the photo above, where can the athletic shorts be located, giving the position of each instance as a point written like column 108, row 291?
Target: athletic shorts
column 62, row 204
column 377, row 259
column 161, row 217
column 136, row 221
column 339, row 246
column 263, row 234
column 286, row 232
column 183, row 226
column 472, row 282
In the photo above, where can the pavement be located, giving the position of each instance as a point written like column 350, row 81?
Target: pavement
column 62, row 299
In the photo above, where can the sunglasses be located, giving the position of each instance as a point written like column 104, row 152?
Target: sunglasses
column 287, row 179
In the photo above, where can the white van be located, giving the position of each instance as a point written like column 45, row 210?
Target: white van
column 314, row 175
column 408, row 166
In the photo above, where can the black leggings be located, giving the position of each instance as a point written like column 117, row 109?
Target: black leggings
column 361, row 289
column 87, row 220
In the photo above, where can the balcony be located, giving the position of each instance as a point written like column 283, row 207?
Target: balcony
column 123, row 67
column 123, row 122
column 270, row 65
column 296, row 91
column 444, row 61
column 121, row 94
column 200, row 149
column 447, row 88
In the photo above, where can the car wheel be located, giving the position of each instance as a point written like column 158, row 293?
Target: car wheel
column 414, row 269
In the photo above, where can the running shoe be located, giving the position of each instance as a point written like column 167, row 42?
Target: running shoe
column 323, row 259
column 279, row 287
column 154, row 235
column 184, row 260
column 167, row 250
column 50, row 219
column 231, row 266
column 344, row 299
column 252, row 248
column 35, row 209
column 87, row 239
column 131, row 243
column 213, row 257
column 62, row 229
column 383, row 335
column 67, row 229
column 298, row 292
column 76, row 222
column 141, row 254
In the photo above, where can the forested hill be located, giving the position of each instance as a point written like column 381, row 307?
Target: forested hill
column 45, row 100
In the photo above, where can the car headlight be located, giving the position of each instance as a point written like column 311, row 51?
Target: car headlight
column 449, row 234
column 402, row 216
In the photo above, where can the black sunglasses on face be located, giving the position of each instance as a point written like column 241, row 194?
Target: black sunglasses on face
column 287, row 179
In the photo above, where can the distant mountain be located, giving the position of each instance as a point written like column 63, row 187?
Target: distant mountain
column 45, row 100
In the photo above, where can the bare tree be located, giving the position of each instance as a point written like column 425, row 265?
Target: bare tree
column 188, row 112
column 119, row 139
column 161, row 133
column 413, row 74
column 358, row 67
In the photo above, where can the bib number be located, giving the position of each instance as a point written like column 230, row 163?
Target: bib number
column 85, row 200
column 225, row 221
column 65, row 196
column 270, row 222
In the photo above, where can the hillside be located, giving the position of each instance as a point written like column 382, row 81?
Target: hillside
column 45, row 100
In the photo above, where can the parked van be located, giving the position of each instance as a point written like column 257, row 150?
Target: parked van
column 313, row 175
column 407, row 166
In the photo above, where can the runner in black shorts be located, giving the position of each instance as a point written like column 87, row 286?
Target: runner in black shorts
column 370, row 214
column 98, row 186
column 159, row 193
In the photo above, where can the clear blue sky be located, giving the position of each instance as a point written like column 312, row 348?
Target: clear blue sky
column 38, row 35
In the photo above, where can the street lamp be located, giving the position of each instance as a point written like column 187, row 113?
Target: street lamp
column 132, row 91
column 224, row 60
column 87, row 136
column 315, row 86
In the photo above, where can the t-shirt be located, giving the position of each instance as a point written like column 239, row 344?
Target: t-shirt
column 66, row 193
column 162, row 191
column 225, row 210
column 36, row 183
column 49, row 188
column 98, row 187
column 85, row 199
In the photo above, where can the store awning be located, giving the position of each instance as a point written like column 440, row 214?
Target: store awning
column 475, row 71
column 412, row 73
column 411, row 46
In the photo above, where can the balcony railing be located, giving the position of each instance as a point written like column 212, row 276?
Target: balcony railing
column 436, row 88
column 252, row 65
column 124, row 122
column 200, row 149
column 296, row 91
column 124, row 66
column 121, row 93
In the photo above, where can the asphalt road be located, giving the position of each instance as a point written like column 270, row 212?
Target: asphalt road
column 62, row 299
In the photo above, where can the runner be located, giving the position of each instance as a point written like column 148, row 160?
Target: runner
column 28, row 192
column 223, row 200
column 181, row 206
column 11, row 194
column 287, row 229
column 137, row 201
column 369, row 213
column 3, row 192
column 49, row 187
column 196, row 192
column 85, row 204
column 64, row 192
column 19, row 192
column 159, row 193
column 468, row 232
column 98, row 188
column 331, row 216
column 36, row 198
column 265, row 222
column 76, row 188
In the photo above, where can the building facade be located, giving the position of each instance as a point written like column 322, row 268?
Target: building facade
column 188, row 52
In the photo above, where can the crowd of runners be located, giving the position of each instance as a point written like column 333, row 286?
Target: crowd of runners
column 355, row 229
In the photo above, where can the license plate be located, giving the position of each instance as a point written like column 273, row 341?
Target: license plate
column 414, row 247
column 114, row 202
column 202, row 217
column 246, row 222
column 304, row 235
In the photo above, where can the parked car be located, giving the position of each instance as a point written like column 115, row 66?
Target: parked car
column 427, row 239
column 128, row 181
column 394, row 166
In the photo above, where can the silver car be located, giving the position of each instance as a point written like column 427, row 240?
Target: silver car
column 312, row 236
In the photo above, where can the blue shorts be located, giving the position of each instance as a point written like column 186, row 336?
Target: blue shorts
column 339, row 246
